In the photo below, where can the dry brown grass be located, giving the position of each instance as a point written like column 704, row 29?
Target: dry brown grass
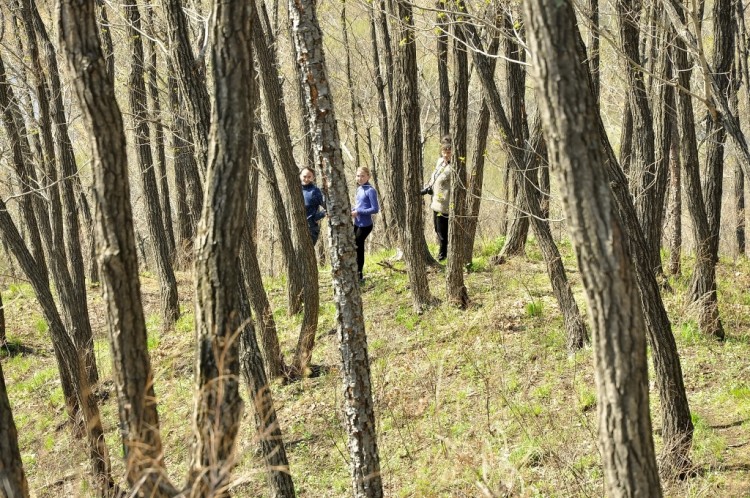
column 483, row 402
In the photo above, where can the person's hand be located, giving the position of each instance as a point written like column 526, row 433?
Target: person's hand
column 354, row 213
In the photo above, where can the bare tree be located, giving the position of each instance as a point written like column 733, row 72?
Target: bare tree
column 170, row 306
column 359, row 414
column 117, row 252
column 407, row 91
column 12, row 477
column 570, row 117
column 218, row 406
column 191, row 78
column 455, row 288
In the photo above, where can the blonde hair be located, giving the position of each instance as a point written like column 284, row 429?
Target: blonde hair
column 364, row 169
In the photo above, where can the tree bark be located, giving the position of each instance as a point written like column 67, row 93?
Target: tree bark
column 267, row 426
column 170, row 306
column 444, row 90
column 218, row 317
column 15, row 131
column 158, row 135
column 13, row 482
column 530, row 202
column 675, row 202
column 570, row 118
column 191, row 76
column 703, row 284
column 389, row 216
column 644, row 183
column 358, row 404
column 186, row 171
column 593, row 48
column 412, row 234
column 73, row 374
column 3, row 337
column 515, row 81
column 139, row 420
column 254, row 283
column 476, row 180
column 73, row 299
column 455, row 287
column 677, row 425
column 287, row 219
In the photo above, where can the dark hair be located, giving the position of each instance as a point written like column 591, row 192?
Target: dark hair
column 446, row 143
column 308, row 169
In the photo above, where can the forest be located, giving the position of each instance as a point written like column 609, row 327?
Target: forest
column 215, row 282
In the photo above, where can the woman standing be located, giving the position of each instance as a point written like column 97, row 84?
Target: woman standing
column 314, row 202
column 439, row 188
column 365, row 205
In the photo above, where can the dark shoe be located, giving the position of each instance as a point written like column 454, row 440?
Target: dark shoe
column 361, row 281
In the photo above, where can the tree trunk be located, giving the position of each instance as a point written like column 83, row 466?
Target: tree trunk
column 677, row 425
column 515, row 241
column 158, row 136
column 267, row 426
column 3, row 337
column 455, row 289
column 476, row 179
column 64, row 215
column 442, row 27
column 73, row 374
column 15, row 130
column 218, row 319
column 358, row 405
column 105, row 33
column 570, row 118
column 170, row 306
column 644, row 185
column 713, row 181
column 191, row 76
column 350, row 84
column 593, row 48
column 389, row 217
column 302, row 270
column 412, row 235
column 13, row 482
column 186, row 171
column 663, row 116
column 139, row 420
column 675, row 202
column 254, row 284
column 529, row 197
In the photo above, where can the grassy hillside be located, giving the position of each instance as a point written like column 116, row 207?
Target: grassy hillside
column 483, row 402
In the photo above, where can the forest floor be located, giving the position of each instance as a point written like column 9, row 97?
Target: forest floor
column 482, row 402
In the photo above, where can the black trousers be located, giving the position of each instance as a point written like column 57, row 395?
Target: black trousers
column 360, row 234
column 441, row 229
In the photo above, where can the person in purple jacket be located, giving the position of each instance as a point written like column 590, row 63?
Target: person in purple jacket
column 315, row 205
column 365, row 205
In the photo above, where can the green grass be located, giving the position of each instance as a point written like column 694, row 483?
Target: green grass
column 485, row 396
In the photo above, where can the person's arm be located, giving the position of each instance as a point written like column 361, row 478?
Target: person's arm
column 319, row 202
column 374, row 208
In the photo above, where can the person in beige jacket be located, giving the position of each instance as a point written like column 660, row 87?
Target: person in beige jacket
column 439, row 188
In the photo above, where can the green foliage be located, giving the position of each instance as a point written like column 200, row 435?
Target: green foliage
column 40, row 324
column 690, row 333
column 186, row 323
column 529, row 453
column 534, row 309
column 492, row 247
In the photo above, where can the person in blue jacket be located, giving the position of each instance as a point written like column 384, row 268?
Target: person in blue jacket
column 315, row 205
column 365, row 205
